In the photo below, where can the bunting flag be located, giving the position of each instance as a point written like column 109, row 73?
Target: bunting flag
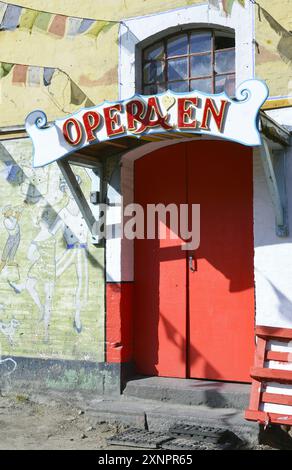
column 226, row 5
column 19, row 74
column 35, row 76
column 58, row 25
column 5, row 69
column 3, row 7
column 48, row 75
column 11, row 17
column 14, row 16
column 73, row 26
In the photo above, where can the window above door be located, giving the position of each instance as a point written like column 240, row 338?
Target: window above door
column 201, row 60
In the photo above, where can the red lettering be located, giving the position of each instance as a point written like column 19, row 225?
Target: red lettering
column 91, row 121
column 159, row 120
column 210, row 111
column 186, row 112
column 67, row 131
column 112, row 120
column 135, row 111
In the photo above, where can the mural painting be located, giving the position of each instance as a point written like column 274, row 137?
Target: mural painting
column 47, row 264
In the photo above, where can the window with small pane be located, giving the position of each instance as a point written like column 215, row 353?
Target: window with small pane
column 193, row 60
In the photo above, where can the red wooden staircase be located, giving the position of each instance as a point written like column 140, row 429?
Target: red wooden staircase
column 271, row 390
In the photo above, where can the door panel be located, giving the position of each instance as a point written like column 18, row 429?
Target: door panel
column 221, row 291
column 197, row 324
column 160, row 271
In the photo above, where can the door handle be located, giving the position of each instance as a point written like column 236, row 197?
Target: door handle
column 192, row 264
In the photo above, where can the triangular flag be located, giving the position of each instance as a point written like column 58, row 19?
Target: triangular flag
column 227, row 6
column 33, row 76
column 19, row 74
column 73, row 26
column 85, row 25
column 97, row 28
column 214, row 4
column 28, row 18
column 5, row 69
column 3, row 7
column 58, row 25
column 43, row 20
column 11, row 18
column 88, row 103
column 77, row 95
column 48, row 74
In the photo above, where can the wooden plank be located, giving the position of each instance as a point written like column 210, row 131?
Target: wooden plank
column 263, row 417
column 116, row 144
column 279, row 356
column 271, row 332
column 256, row 386
column 275, row 375
column 277, row 398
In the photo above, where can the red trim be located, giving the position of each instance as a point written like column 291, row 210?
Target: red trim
column 256, row 386
column 281, row 376
column 263, row 417
column 278, row 356
column 277, row 398
column 271, row 332
column 119, row 337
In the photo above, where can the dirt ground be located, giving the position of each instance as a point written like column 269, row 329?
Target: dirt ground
column 50, row 424
column 27, row 425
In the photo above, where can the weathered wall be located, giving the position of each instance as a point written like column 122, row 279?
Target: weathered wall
column 52, row 292
column 274, row 48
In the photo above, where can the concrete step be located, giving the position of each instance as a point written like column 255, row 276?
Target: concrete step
column 159, row 416
column 190, row 392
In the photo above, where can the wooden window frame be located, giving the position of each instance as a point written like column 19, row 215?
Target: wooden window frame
column 165, row 58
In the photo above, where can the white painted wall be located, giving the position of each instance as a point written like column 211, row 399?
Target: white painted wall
column 273, row 255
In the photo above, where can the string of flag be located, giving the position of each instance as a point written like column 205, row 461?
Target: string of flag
column 14, row 17
column 33, row 76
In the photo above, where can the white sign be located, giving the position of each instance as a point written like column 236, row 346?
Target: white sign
column 195, row 112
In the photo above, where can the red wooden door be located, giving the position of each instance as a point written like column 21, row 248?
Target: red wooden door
column 160, row 271
column 221, row 290
column 197, row 324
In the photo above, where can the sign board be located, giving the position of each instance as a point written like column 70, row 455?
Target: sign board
column 195, row 112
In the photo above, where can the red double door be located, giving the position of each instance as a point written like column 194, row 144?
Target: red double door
column 197, row 322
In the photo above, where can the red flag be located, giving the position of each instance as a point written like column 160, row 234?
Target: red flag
column 19, row 74
column 58, row 26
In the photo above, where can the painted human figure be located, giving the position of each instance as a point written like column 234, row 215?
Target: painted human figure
column 42, row 271
column 11, row 218
column 75, row 233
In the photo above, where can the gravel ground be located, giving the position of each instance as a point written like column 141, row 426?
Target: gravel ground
column 54, row 425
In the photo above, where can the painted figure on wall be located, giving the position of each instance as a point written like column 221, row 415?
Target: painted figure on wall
column 42, row 270
column 75, row 234
column 11, row 224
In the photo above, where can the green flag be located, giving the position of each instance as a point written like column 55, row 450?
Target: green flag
column 96, row 28
column 43, row 20
column 227, row 6
column 27, row 19
column 5, row 69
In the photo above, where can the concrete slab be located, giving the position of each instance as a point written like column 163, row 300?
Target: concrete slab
column 190, row 392
column 155, row 416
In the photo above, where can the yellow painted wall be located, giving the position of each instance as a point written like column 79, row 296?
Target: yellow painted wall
column 92, row 62
column 274, row 47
